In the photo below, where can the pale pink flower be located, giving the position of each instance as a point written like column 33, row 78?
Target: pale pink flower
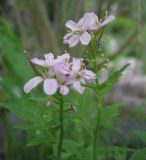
column 81, row 31
column 54, row 76
column 78, row 32
column 32, row 83
column 55, row 66
column 96, row 24
column 80, row 76
column 50, row 60
column 50, row 85
column 59, row 74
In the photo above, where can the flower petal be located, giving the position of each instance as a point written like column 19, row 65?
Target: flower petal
column 74, row 40
column 107, row 20
column 77, row 86
column 93, row 21
column 50, row 86
column 85, row 38
column 62, row 58
column 70, row 79
column 64, row 90
column 84, row 22
column 61, row 69
column 39, row 62
column 76, row 64
column 49, row 55
column 32, row 83
column 94, row 18
column 72, row 25
column 68, row 35
column 88, row 76
column 49, row 59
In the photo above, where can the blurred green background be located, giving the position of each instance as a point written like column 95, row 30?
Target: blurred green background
column 30, row 28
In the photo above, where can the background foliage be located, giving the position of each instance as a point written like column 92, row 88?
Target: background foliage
column 33, row 27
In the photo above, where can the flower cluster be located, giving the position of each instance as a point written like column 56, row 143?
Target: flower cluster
column 81, row 31
column 60, row 74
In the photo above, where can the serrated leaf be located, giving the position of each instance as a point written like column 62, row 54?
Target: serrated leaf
column 120, row 154
column 104, row 151
column 24, row 126
column 109, row 113
column 24, row 112
column 40, row 138
column 30, row 111
column 139, row 155
column 111, row 81
column 72, row 147
column 141, row 134
column 84, row 101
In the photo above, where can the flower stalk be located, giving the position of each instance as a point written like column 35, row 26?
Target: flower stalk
column 97, row 128
column 61, row 136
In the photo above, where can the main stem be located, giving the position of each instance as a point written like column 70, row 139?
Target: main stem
column 61, row 129
column 97, row 129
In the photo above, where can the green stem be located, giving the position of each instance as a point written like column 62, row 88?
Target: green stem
column 8, row 135
column 61, row 118
column 97, row 129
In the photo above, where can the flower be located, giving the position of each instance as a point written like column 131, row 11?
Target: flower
column 50, row 85
column 50, row 60
column 81, row 31
column 80, row 76
column 54, row 75
column 59, row 74
column 96, row 24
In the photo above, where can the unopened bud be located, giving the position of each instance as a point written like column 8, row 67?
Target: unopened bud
column 49, row 102
column 44, row 116
column 74, row 109
column 24, row 51
column 93, row 60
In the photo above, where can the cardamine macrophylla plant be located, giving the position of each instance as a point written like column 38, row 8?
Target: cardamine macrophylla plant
column 63, row 74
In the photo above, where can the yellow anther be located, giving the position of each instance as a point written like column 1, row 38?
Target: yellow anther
column 106, row 14
column 24, row 51
column 97, row 22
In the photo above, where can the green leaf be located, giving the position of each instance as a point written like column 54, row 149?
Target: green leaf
column 120, row 154
column 109, row 113
column 84, row 101
column 39, row 138
column 34, row 113
column 141, row 134
column 113, row 150
column 73, row 147
column 111, row 81
column 139, row 155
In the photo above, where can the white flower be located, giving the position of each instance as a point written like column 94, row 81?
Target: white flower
column 81, row 31
column 96, row 24
column 54, row 76
column 50, row 85
column 59, row 74
column 80, row 76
